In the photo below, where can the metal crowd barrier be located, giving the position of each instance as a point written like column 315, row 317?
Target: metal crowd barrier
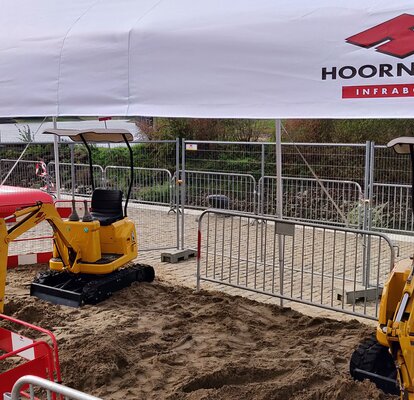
column 391, row 208
column 150, row 186
column 23, row 174
column 240, row 189
column 82, row 177
column 51, row 389
column 333, row 268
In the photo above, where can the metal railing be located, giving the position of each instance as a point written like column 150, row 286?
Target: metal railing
column 391, row 208
column 49, row 388
column 150, row 185
column 335, row 268
column 23, row 174
column 83, row 186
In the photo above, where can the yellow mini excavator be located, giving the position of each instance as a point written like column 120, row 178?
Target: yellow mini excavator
column 92, row 257
column 388, row 358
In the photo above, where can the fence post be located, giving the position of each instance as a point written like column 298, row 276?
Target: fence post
column 260, row 188
column 279, row 188
column 72, row 168
column 177, row 189
column 279, row 205
column 183, row 190
column 367, row 220
column 104, row 180
column 56, row 156
column 366, row 209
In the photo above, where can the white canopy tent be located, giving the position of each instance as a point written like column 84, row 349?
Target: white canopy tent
column 221, row 58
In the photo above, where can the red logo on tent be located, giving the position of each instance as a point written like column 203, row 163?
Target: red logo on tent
column 394, row 37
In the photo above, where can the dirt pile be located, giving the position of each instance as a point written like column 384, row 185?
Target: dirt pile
column 156, row 341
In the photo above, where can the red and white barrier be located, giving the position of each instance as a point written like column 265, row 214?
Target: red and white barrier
column 26, row 259
column 38, row 357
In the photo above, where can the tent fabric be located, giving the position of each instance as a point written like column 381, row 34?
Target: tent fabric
column 221, row 58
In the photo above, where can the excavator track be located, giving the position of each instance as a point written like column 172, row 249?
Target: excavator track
column 373, row 361
column 74, row 290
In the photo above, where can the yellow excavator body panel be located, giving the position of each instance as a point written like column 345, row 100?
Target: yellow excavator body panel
column 98, row 246
column 119, row 238
column 85, row 236
column 391, row 297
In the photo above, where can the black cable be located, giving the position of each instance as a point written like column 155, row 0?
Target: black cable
column 131, row 158
column 90, row 161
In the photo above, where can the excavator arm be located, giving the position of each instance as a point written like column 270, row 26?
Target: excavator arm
column 30, row 217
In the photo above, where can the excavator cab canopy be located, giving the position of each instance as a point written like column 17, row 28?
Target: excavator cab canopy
column 402, row 145
column 93, row 135
column 86, row 136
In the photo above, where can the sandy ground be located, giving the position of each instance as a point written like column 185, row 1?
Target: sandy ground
column 164, row 341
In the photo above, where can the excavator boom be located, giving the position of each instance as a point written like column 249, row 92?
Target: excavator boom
column 30, row 217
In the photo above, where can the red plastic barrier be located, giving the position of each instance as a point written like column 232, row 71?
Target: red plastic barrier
column 37, row 356
column 13, row 198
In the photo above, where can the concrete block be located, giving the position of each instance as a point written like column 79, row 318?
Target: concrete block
column 360, row 293
column 175, row 256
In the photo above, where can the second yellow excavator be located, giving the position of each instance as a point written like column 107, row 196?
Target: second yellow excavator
column 388, row 358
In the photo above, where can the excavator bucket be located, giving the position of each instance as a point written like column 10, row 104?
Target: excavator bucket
column 74, row 290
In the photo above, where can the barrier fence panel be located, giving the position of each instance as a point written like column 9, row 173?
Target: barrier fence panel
column 340, row 167
column 230, row 191
column 296, row 261
column 25, row 173
column 339, row 161
column 305, row 200
column 391, row 209
column 153, row 201
column 391, row 197
column 151, row 204
column 230, row 157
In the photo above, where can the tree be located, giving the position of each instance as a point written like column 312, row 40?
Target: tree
column 25, row 133
column 245, row 130
column 348, row 130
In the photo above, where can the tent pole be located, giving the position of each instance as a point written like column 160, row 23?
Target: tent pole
column 279, row 184
column 56, row 155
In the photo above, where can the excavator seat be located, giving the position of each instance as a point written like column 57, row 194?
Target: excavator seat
column 107, row 206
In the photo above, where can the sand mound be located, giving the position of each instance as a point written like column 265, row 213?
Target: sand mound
column 156, row 341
